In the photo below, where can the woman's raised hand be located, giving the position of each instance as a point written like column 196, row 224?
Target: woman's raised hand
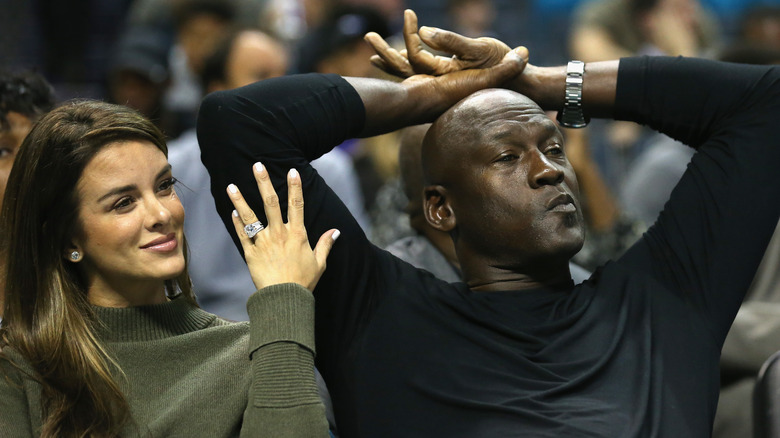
column 467, row 53
column 279, row 252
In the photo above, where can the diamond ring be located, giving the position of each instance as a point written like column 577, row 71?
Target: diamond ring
column 252, row 229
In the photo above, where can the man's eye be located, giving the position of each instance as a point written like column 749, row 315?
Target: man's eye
column 554, row 150
column 508, row 157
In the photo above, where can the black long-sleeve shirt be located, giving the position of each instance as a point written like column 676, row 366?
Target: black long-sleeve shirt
column 631, row 352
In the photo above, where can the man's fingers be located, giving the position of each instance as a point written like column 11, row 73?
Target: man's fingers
column 392, row 62
column 324, row 245
column 422, row 61
column 294, row 199
column 449, row 42
column 512, row 65
column 270, row 200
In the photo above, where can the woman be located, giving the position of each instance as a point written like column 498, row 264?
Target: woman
column 101, row 333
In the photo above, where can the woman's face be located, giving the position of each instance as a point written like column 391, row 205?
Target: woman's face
column 131, row 224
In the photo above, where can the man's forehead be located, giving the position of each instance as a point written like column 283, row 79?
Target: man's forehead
column 494, row 105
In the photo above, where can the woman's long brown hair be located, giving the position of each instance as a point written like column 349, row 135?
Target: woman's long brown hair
column 47, row 318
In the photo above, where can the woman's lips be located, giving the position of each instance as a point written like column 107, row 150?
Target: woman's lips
column 163, row 244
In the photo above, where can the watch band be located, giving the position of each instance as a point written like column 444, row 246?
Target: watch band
column 572, row 116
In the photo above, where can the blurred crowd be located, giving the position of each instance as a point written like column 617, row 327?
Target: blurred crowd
column 162, row 56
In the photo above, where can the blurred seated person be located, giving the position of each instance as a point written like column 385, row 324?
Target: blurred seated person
column 24, row 97
column 102, row 335
column 472, row 18
column 429, row 248
column 199, row 26
column 138, row 76
column 610, row 29
column 337, row 46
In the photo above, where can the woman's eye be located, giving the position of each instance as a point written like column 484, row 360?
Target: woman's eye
column 6, row 152
column 508, row 157
column 167, row 184
column 123, row 203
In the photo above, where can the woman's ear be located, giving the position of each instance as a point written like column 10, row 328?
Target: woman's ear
column 437, row 209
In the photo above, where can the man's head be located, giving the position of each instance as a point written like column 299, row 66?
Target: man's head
column 139, row 73
column 243, row 57
column 199, row 26
column 337, row 45
column 499, row 182
column 23, row 98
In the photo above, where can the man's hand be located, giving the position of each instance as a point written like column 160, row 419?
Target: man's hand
column 467, row 53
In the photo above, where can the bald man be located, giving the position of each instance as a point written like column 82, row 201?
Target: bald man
column 518, row 349
column 430, row 249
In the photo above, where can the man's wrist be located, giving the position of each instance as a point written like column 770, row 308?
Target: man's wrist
column 572, row 115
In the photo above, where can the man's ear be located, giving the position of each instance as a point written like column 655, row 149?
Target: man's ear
column 437, row 209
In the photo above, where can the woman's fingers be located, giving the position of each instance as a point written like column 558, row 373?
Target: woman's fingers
column 323, row 247
column 244, row 214
column 240, row 232
column 270, row 200
column 294, row 199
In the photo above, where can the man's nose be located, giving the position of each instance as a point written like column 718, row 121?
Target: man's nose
column 544, row 172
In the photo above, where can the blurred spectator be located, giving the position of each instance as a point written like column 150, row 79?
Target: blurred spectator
column 24, row 97
column 760, row 26
column 472, row 18
column 200, row 24
column 609, row 29
column 291, row 20
column 337, row 46
column 139, row 76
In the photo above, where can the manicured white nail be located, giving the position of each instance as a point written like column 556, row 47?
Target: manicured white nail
column 259, row 167
column 235, row 213
column 336, row 235
column 293, row 173
column 232, row 187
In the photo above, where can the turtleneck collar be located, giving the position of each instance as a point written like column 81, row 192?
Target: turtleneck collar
column 145, row 323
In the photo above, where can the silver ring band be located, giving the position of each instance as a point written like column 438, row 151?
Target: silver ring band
column 252, row 229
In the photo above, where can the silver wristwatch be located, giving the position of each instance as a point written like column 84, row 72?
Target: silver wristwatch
column 571, row 116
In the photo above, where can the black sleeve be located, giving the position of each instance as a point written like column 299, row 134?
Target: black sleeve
column 711, row 235
column 285, row 123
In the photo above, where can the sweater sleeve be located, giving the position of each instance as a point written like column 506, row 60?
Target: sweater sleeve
column 283, row 397
column 15, row 419
column 709, row 239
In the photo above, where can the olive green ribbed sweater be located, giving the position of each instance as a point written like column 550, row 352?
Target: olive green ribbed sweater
column 189, row 373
